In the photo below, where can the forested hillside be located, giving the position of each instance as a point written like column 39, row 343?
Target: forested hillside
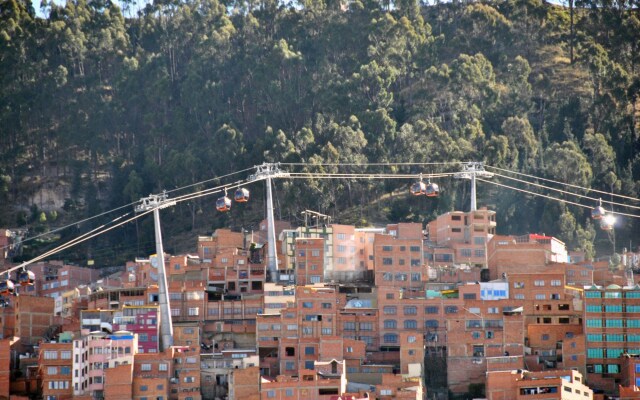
column 100, row 106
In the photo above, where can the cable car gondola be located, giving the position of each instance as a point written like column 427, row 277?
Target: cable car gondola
column 241, row 195
column 26, row 278
column 7, row 287
column 432, row 190
column 598, row 212
column 606, row 223
column 418, row 188
column 223, row 204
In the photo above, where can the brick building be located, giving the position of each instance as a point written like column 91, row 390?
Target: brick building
column 521, row 385
column 55, row 364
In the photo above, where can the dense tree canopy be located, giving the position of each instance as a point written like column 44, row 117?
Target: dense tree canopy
column 110, row 106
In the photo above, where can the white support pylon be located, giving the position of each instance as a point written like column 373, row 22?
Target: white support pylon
column 155, row 203
column 469, row 171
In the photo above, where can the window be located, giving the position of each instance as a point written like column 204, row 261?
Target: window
column 538, row 283
column 411, row 339
column 288, row 392
column 327, row 331
column 307, row 304
column 389, row 296
column 389, row 310
column 410, row 324
column 390, row 338
column 556, row 282
column 540, row 296
column 271, row 394
column 52, row 370
column 366, row 326
column 387, row 261
column 410, row 310
column 309, row 351
column 194, row 311
column 349, row 326
column 387, row 276
column 50, row 355
column 289, row 365
column 518, row 296
column 326, row 305
column 309, row 365
column 390, row 324
column 385, row 392
column 189, row 379
column 387, row 248
column 431, row 323
column 163, row 367
column 431, row 310
column 143, row 388
column 545, row 336
column 146, row 367
column 451, row 309
column 465, row 252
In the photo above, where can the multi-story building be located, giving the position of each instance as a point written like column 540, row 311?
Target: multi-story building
column 310, row 264
column 143, row 321
column 522, row 385
column 612, row 328
column 54, row 277
column 56, row 363
column 512, row 254
column 398, row 256
column 31, row 318
column 461, row 237
column 95, row 354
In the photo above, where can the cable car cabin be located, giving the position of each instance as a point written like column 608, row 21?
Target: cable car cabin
column 418, row 188
column 241, row 195
column 606, row 225
column 223, row 204
column 26, row 278
column 432, row 190
column 7, row 287
column 598, row 212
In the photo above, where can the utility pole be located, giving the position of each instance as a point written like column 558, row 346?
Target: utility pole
column 471, row 170
column 267, row 171
column 156, row 202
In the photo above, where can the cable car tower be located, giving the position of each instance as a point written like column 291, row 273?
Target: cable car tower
column 471, row 170
column 155, row 202
column 268, row 171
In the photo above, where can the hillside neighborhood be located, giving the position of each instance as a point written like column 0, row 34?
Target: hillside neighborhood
column 450, row 310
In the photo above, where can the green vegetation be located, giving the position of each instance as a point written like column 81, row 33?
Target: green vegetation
column 115, row 107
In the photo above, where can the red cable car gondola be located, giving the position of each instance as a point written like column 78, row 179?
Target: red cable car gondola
column 223, row 204
column 418, row 188
column 7, row 287
column 432, row 190
column 241, row 195
column 26, row 278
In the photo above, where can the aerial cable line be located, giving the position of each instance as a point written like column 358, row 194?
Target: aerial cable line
column 555, row 198
column 386, row 164
column 82, row 238
column 124, row 206
column 207, row 181
column 567, row 192
column 566, row 184
column 325, row 175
